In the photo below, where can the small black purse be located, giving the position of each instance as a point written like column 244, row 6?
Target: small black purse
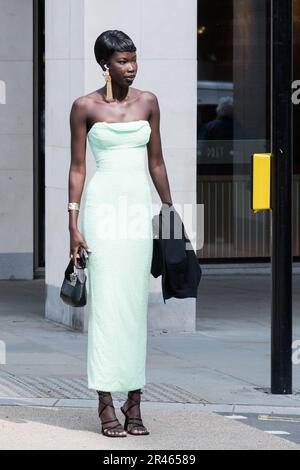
column 73, row 290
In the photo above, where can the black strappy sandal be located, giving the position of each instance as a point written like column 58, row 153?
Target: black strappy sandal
column 134, row 422
column 105, row 431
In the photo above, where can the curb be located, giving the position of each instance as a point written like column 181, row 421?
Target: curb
column 163, row 406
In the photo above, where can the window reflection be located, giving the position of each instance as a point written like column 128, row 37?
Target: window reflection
column 233, row 123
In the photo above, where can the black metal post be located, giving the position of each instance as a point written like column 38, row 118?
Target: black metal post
column 282, row 179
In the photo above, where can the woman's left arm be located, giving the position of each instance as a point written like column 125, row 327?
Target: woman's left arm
column 156, row 164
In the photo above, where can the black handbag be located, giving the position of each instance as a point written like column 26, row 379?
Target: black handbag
column 73, row 290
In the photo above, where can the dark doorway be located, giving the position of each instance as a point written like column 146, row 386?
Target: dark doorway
column 39, row 135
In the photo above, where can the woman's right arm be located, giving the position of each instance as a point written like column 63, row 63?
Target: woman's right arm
column 77, row 171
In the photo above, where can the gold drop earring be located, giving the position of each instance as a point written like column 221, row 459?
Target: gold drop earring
column 107, row 77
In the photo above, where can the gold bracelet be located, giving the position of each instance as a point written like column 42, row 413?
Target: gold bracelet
column 73, row 206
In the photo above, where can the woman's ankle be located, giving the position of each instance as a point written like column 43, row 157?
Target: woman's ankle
column 103, row 394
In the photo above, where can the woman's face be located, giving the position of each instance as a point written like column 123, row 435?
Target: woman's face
column 123, row 67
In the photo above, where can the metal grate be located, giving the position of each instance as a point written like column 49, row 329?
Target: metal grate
column 231, row 229
column 76, row 388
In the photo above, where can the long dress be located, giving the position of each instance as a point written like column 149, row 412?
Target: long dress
column 117, row 226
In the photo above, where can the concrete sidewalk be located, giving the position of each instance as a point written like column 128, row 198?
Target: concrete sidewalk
column 222, row 367
column 68, row 428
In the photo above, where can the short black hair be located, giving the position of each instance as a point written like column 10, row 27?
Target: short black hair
column 111, row 41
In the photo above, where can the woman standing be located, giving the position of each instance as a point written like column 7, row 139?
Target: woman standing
column 122, row 127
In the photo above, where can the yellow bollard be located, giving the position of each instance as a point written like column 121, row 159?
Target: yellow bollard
column 261, row 182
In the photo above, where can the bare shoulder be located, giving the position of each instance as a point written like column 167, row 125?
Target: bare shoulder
column 83, row 106
column 149, row 96
column 150, row 102
column 142, row 94
column 87, row 103
column 80, row 105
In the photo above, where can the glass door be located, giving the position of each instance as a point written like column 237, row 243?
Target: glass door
column 233, row 122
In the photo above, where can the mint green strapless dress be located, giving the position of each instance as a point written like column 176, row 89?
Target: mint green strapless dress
column 117, row 226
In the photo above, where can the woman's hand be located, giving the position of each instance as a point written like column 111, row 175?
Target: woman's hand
column 76, row 241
